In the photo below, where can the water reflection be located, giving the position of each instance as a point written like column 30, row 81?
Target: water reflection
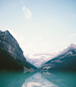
column 12, row 79
column 61, row 78
column 38, row 79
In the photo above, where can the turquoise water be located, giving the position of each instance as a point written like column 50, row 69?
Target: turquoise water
column 37, row 79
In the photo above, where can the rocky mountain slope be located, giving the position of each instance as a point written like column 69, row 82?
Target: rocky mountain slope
column 64, row 61
column 11, row 55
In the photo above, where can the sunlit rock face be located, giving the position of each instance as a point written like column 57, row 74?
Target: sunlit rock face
column 11, row 55
column 64, row 61
column 10, row 45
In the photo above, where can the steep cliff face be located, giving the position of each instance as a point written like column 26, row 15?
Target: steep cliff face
column 10, row 45
column 11, row 55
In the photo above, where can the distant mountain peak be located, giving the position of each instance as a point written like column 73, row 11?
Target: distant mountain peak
column 72, row 45
column 8, row 35
column 7, row 31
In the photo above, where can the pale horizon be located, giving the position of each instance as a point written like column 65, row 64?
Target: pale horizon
column 40, row 27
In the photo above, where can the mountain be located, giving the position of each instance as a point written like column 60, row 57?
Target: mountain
column 38, row 60
column 33, row 67
column 11, row 55
column 72, row 46
column 66, row 60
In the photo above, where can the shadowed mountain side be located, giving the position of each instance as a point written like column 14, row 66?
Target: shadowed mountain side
column 35, row 68
column 11, row 55
column 65, row 61
column 7, row 62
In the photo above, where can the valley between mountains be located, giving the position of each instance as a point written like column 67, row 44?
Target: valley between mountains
column 12, row 58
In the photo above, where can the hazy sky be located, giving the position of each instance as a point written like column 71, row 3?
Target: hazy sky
column 40, row 26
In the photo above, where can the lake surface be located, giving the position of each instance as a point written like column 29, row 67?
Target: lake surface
column 38, row 79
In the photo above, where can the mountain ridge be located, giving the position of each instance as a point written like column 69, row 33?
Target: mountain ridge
column 11, row 55
column 63, row 61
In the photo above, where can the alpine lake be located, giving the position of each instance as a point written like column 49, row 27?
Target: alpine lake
column 37, row 79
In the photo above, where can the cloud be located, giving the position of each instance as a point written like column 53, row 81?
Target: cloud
column 27, row 12
column 73, row 35
column 22, row 1
column 23, row 8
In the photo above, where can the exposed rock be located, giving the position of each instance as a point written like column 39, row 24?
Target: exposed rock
column 65, row 61
column 11, row 55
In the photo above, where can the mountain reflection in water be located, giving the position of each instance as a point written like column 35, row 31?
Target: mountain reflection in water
column 38, row 79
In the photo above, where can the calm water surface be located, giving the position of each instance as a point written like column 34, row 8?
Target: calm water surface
column 38, row 79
